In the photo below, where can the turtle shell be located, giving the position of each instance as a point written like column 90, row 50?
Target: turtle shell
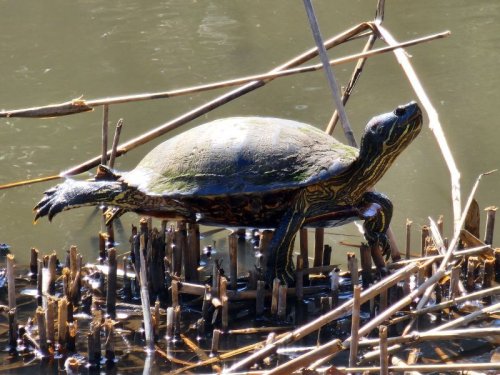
column 241, row 155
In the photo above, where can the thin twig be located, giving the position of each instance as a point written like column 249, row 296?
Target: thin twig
column 116, row 140
column 332, row 81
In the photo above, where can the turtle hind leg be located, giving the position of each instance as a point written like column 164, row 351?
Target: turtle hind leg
column 280, row 260
column 376, row 210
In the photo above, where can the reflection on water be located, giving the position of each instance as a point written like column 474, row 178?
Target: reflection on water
column 55, row 51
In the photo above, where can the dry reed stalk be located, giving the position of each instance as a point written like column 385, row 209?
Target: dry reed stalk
column 384, row 358
column 198, row 351
column 105, row 127
column 396, row 361
column 79, row 105
column 441, row 368
column 355, row 317
column 373, row 323
column 116, row 140
column 446, row 326
column 332, row 81
column 452, row 334
column 304, row 360
column 451, row 249
column 301, row 332
column 484, row 251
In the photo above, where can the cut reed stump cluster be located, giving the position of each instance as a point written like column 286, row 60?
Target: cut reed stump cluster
column 88, row 314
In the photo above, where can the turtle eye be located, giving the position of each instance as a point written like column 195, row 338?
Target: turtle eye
column 400, row 111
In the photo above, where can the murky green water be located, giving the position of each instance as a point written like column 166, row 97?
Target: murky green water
column 55, row 51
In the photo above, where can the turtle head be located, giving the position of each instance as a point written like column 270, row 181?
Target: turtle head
column 387, row 135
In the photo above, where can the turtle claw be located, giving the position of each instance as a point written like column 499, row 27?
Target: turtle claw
column 49, row 206
column 55, row 200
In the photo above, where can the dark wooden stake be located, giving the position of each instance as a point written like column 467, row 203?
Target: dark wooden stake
column 42, row 331
column 378, row 258
column 215, row 341
column 353, row 349
column 109, row 347
column 489, row 268
column 304, row 246
column 408, row 239
column 497, row 264
column 225, row 312
column 103, row 238
column 177, row 321
column 91, row 349
column 233, row 260
column 327, row 254
column 192, row 255
column 13, row 331
column 265, row 239
column 39, row 282
column 62, row 320
column 366, row 265
column 72, row 332
column 319, row 237
column 454, row 281
column 352, row 265
column 11, row 284
column 490, row 224
column 111, row 287
column 425, row 234
column 282, row 302
column 52, row 267
column 50, row 320
column 180, row 241
column 299, row 277
column 384, row 356
column 34, row 264
column 471, row 268
column 259, row 301
column 274, row 298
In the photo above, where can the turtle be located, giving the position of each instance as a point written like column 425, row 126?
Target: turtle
column 258, row 172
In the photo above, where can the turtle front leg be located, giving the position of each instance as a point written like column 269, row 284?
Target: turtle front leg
column 280, row 260
column 376, row 210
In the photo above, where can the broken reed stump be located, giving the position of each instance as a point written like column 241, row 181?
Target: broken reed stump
column 233, row 260
column 319, row 238
column 33, row 264
column 111, row 285
column 352, row 266
column 11, row 284
column 180, row 246
column 192, row 255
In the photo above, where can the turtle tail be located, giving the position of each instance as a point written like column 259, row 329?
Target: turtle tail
column 72, row 194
